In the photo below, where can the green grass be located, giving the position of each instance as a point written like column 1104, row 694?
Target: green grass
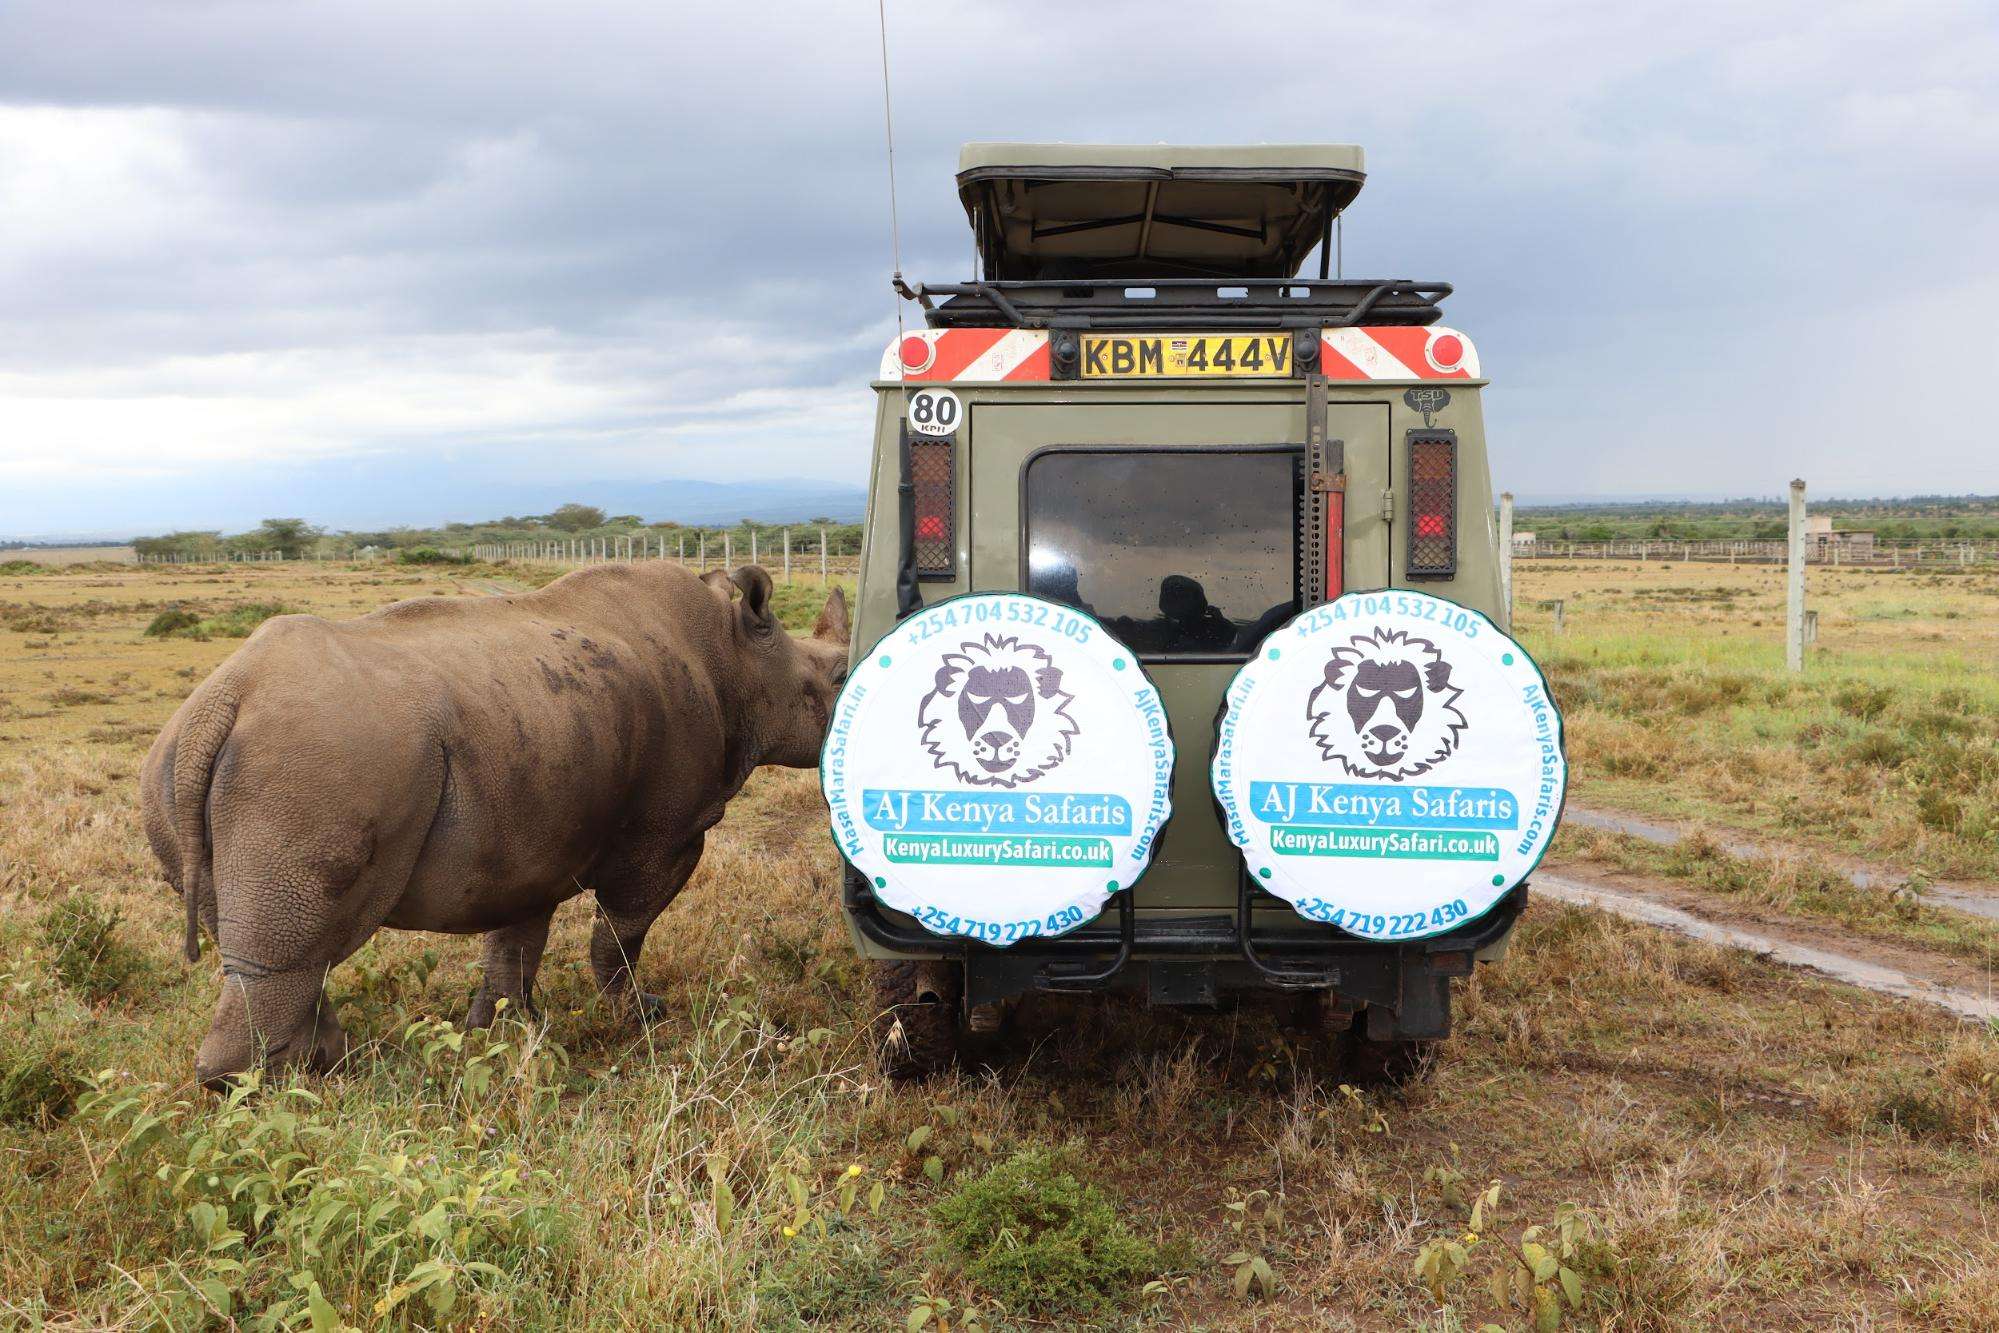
column 1886, row 746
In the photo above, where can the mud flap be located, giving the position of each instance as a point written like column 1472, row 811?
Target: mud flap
column 1422, row 1010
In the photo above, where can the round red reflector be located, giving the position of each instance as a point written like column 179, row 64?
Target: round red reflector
column 917, row 353
column 1430, row 525
column 930, row 527
column 1447, row 352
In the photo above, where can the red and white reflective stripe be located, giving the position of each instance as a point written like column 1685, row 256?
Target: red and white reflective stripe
column 990, row 356
column 1435, row 353
column 1020, row 356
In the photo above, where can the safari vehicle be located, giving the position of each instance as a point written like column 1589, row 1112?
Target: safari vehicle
column 1147, row 413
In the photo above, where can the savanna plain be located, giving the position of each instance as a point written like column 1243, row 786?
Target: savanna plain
column 1626, row 1130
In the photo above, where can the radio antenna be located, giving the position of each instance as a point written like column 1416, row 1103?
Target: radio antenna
column 894, row 218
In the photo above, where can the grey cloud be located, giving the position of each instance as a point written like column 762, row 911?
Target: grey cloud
column 1647, row 201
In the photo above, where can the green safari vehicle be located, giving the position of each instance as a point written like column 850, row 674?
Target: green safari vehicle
column 1141, row 409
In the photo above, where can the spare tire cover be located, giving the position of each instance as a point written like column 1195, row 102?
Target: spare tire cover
column 1390, row 763
column 998, row 766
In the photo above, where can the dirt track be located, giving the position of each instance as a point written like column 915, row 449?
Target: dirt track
column 1870, row 964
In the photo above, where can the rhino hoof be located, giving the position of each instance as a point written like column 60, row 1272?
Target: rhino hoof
column 649, row 1008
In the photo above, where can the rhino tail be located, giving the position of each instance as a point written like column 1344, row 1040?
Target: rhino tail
column 201, row 739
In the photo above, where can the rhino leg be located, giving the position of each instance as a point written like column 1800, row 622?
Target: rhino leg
column 303, row 878
column 274, row 1018
column 512, row 957
column 633, row 888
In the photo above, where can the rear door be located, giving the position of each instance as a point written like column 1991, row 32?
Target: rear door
column 1175, row 523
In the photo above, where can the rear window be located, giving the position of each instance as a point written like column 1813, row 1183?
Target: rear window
column 1180, row 553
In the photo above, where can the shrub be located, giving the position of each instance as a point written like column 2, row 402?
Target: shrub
column 282, row 1220
column 12, row 567
column 1031, row 1233
column 39, row 1081
column 175, row 620
column 430, row 555
column 81, row 937
column 240, row 622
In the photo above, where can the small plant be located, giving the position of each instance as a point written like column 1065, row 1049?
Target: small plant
column 939, row 1314
column 821, row 1207
column 1029, row 1229
column 1256, row 1218
column 80, row 934
column 1543, row 1271
column 1442, row 1261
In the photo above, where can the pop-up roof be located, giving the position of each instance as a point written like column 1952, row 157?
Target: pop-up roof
column 1052, row 211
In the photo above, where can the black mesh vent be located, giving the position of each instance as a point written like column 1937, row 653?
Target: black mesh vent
column 930, row 467
column 1433, row 504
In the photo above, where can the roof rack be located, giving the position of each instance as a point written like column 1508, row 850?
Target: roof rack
column 1174, row 303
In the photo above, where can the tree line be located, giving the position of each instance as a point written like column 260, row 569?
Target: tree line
column 297, row 539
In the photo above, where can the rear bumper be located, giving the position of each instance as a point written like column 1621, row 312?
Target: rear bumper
column 1186, row 958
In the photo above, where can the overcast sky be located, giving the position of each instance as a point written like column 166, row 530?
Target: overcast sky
column 332, row 249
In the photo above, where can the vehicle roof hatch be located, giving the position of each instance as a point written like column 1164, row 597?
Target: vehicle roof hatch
column 1053, row 211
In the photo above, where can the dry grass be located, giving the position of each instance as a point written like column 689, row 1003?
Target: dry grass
column 1672, row 686
column 1752, row 1148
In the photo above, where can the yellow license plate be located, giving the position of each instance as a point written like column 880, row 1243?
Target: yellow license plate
column 1131, row 356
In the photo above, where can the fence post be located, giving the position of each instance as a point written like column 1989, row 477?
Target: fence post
column 787, row 555
column 753, row 545
column 1506, row 555
column 1794, row 614
column 822, row 557
column 728, row 549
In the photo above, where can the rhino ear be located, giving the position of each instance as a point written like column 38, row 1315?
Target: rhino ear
column 833, row 621
column 754, row 580
column 718, row 583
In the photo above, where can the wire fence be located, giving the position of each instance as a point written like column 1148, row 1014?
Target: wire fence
column 792, row 556
column 1877, row 554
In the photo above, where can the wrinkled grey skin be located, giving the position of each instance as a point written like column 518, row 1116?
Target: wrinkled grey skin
column 466, row 766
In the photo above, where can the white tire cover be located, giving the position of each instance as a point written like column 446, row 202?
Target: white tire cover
column 1391, row 764
column 998, row 766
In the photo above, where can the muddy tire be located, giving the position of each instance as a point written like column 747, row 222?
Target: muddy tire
column 916, row 1017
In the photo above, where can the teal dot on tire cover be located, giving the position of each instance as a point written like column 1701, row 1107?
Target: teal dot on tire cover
column 884, row 659
column 1117, row 664
column 1112, row 886
column 1274, row 654
column 1506, row 659
column 1265, row 872
column 1498, row 880
column 880, row 882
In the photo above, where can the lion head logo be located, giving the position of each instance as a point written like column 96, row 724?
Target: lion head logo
column 1387, row 708
column 998, row 715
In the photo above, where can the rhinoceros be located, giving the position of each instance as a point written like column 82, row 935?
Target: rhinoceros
column 460, row 765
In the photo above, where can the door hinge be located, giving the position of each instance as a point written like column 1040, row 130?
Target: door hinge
column 1388, row 507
